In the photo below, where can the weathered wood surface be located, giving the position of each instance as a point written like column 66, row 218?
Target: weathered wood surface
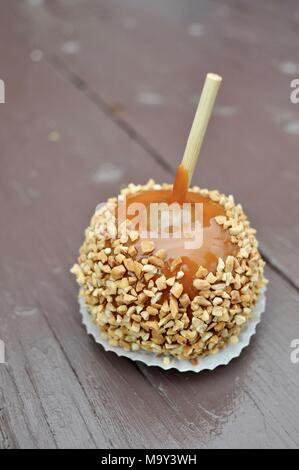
column 77, row 126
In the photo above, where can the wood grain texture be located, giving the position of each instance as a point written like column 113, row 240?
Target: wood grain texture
column 74, row 128
column 148, row 60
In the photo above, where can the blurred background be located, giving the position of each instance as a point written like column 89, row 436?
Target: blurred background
column 81, row 75
column 99, row 93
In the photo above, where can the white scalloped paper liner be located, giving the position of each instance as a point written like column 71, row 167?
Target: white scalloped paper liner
column 222, row 358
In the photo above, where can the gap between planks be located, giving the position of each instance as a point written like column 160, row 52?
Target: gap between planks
column 93, row 96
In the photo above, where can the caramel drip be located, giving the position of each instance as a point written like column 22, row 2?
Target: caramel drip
column 180, row 187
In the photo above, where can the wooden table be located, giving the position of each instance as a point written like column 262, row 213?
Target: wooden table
column 101, row 93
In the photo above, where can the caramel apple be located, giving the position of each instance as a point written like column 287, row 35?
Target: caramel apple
column 173, row 295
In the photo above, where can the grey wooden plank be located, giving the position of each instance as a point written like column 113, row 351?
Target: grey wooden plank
column 13, row 417
column 146, row 63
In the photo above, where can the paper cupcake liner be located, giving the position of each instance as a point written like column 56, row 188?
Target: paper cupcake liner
column 222, row 358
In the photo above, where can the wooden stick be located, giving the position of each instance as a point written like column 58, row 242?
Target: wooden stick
column 200, row 123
